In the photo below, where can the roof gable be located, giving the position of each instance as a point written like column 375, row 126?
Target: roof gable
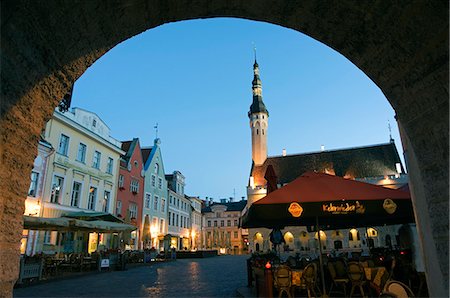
column 361, row 162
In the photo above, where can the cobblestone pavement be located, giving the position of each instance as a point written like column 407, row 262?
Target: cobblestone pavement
column 209, row 277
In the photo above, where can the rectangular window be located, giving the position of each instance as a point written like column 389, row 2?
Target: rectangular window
column 228, row 223
column 57, row 186
column 96, row 160
column 155, row 203
column 235, row 234
column 177, row 221
column 222, row 223
column 50, row 237
column 170, row 218
column 110, row 165
column 235, row 222
column 92, row 198
column 163, row 205
column 121, row 181
column 63, row 147
column 81, row 155
column 215, row 223
column 173, row 219
column 148, row 198
column 133, row 210
column 33, row 184
column 134, row 186
column 159, row 183
column 161, row 226
column 119, row 208
column 153, row 180
column 76, row 194
column 106, row 200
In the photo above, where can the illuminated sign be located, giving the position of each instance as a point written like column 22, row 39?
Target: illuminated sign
column 343, row 208
column 295, row 209
column 389, row 206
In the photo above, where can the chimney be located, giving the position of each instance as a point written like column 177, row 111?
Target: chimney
column 322, row 148
column 284, row 152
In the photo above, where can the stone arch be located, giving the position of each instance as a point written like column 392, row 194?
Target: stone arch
column 403, row 48
column 258, row 241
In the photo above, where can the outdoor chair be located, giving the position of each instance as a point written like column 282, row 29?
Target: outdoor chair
column 337, row 281
column 309, row 279
column 341, row 268
column 396, row 289
column 356, row 277
column 283, row 280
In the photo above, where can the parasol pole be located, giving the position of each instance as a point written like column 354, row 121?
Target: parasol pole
column 322, row 276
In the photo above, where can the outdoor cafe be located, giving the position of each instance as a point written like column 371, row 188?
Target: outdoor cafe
column 84, row 242
column 321, row 203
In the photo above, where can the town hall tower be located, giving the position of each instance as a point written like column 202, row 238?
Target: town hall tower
column 259, row 120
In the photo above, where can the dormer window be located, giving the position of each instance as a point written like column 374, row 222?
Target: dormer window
column 94, row 123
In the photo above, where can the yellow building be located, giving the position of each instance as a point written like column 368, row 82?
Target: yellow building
column 82, row 175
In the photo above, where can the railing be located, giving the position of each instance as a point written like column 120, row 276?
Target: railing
column 31, row 269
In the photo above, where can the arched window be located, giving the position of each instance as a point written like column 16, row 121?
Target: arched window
column 350, row 236
column 156, row 168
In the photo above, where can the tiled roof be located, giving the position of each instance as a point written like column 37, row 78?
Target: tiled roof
column 232, row 206
column 360, row 162
column 146, row 153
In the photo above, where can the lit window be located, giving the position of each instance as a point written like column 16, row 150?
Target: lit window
column 76, row 194
column 57, row 186
column 92, row 198
column 96, row 160
column 109, row 166
column 81, row 155
column 63, row 145
column 33, row 184
column 106, row 200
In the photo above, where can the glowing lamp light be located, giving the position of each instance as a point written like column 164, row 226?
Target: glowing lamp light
column 268, row 265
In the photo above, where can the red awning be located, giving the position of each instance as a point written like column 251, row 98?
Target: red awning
column 318, row 187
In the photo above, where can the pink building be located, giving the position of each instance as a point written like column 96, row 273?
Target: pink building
column 130, row 192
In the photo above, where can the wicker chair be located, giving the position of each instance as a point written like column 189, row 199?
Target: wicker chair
column 356, row 277
column 337, row 281
column 396, row 289
column 309, row 278
column 283, row 280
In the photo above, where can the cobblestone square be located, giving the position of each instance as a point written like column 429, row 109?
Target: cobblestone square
column 208, row 277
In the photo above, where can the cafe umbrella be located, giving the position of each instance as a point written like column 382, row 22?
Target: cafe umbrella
column 336, row 201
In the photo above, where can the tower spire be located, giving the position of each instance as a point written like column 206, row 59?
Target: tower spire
column 254, row 51
column 390, row 132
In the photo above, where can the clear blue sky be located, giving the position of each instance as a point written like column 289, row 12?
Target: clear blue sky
column 194, row 78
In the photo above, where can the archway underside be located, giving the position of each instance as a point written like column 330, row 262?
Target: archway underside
column 402, row 47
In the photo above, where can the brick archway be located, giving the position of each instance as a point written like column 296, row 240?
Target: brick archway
column 403, row 48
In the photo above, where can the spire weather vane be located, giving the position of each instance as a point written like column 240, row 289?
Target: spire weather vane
column 390, row 131
column 156, row 130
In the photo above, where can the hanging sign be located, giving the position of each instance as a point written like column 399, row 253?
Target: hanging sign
column 389, row 206
column 295, row 209
column 343, row 208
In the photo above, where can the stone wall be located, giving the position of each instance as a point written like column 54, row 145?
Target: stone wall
column 401, row 46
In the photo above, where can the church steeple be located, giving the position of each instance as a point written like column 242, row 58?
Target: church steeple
column 258, row 116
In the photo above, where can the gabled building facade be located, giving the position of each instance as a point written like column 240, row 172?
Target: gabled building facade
column 196, row 222
column 81, row 175
column 179, row 215
column 221, row 227
column 155, row 209
column 130, row 193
